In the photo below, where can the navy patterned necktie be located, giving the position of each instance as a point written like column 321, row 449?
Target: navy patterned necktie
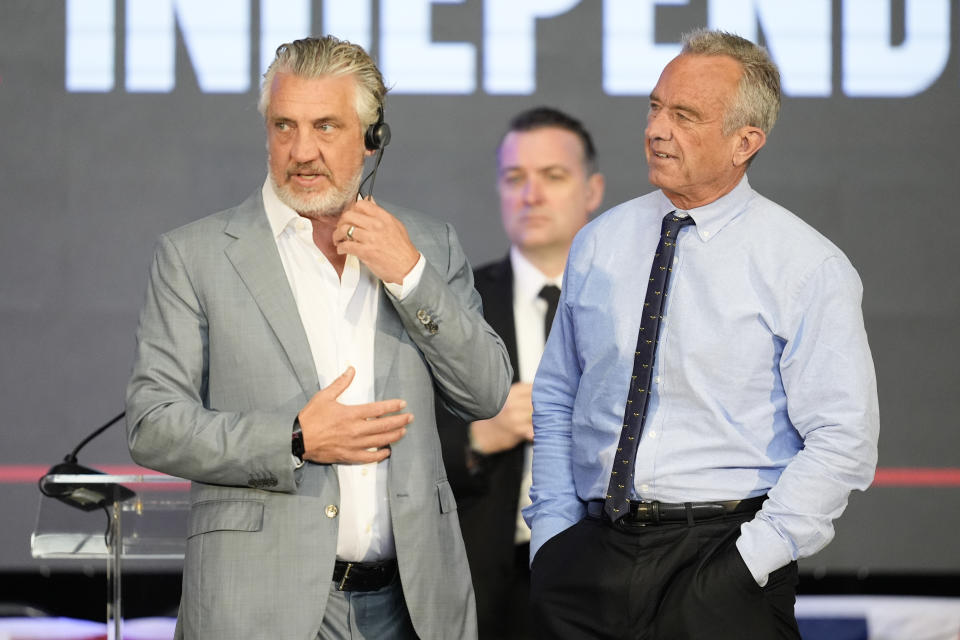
column 621, row 476
column 550, row 293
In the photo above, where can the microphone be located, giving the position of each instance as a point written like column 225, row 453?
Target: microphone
column 87, row 497
column 372, row 176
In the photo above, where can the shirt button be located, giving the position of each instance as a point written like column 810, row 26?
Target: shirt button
column 657, row 379
column 653, row 434
column 676, row 260
column 331, row 511
column 644, row 488
column 706, row 234
column 364, row 471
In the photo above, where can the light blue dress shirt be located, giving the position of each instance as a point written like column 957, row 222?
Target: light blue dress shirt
column 763, row 380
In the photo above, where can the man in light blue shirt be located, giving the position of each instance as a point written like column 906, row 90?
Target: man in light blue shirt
column 762, row 413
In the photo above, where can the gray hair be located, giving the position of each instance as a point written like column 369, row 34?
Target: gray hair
column 757, row 103
column 329, row 56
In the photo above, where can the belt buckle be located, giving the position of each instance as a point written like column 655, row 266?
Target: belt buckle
column 647, row 512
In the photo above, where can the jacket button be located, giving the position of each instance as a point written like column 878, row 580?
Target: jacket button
column 423, row 316
column 331, row 511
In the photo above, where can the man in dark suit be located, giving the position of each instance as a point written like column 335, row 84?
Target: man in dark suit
column 549, row 185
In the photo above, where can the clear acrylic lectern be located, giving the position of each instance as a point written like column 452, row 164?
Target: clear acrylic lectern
column 146, row 519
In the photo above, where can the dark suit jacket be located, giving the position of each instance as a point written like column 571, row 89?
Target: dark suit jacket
column 488, row 494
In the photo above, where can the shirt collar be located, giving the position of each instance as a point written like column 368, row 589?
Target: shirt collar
column 527, row 279
column 713, row 217
column 278, row 214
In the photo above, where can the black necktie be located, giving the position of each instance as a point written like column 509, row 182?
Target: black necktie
column 621, row 477
column 550, row 293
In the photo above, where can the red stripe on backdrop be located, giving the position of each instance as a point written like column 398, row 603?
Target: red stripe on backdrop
column 886, row 476
column 916, row 477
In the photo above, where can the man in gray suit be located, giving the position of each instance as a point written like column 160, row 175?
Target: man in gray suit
column 288, row 354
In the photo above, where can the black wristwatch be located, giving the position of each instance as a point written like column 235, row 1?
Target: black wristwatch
column 297, row 440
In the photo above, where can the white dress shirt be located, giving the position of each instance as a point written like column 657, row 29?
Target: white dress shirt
column 529, row 312
column 339, row 316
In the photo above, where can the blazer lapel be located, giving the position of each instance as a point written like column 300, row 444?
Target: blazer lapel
column 255, row 257
column 389, row 331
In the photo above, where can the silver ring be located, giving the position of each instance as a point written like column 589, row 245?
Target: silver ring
column 350, row 232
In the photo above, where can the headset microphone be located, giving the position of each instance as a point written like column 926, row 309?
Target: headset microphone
column 375, row 138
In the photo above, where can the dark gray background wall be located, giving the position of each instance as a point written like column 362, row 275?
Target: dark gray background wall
column 88, row 179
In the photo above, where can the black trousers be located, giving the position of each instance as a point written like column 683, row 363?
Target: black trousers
column 667, row 582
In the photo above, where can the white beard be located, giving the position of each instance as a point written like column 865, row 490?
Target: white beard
column 329, row 202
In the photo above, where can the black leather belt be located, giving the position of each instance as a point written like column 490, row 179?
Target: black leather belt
column 653, row 513
column 364, row 576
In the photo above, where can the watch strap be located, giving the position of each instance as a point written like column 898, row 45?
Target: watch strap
column 296, row 442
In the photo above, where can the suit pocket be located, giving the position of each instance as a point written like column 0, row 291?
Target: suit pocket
column 225, row 515
column 447, row 502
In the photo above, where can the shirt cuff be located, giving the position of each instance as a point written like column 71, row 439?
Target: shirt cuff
column 762, row 549
column 410, row 281
column 543, row 529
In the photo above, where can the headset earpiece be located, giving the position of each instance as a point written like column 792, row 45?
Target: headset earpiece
column 375, row 138
column 377, row 135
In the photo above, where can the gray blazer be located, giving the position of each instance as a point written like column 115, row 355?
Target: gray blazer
column 223, row 367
